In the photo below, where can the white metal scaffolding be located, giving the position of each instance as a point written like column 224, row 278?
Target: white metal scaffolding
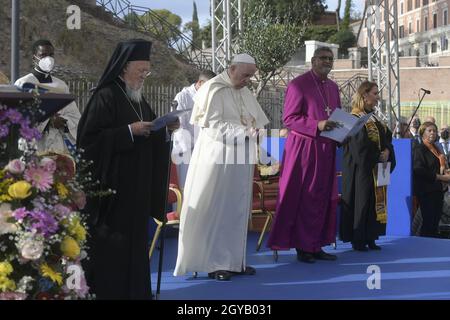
column 383, row 58
column 226, row 19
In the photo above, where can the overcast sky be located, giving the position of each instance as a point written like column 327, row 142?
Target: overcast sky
column 184, row 8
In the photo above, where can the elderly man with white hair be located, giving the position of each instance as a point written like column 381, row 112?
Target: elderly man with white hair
column 218, row 188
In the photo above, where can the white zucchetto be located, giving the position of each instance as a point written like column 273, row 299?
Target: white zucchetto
column 243, row 58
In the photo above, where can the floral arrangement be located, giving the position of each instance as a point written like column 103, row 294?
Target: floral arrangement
column 13, row 125
column 42, row 232
column 9, row 117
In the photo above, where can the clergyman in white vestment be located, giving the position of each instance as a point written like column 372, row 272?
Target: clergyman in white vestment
column 218, row 189
column 184, row 138
column 52, row 137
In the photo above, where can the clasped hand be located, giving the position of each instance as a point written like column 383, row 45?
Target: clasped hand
column 144, row 128
column 327, row 125
column 174, row 125
column 58, row 122
column 384, row 155
column 141, row 128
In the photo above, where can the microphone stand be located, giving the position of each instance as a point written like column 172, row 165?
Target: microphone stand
column 415, row 111
column 163, row 227
column 173, row 105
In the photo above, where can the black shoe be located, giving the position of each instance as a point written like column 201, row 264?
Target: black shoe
column 359, row 247
column 221, row 275
column 306, row 257
column 373, row 246
column 249, row 271
column 322, row 255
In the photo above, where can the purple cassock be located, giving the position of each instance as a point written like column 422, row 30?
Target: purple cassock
column 305, row 217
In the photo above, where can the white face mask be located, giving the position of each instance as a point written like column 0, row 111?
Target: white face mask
column 46, row 64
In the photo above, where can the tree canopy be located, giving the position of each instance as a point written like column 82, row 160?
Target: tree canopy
column 271, row 39
column 289, row 11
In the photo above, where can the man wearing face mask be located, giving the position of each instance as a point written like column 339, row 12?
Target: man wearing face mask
column 60, row 131
column 413, row 130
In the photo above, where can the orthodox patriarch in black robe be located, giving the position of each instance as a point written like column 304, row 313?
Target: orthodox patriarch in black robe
column 363, row 204
column 136, row 168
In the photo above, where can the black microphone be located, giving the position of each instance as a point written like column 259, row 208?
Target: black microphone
column 425, row 90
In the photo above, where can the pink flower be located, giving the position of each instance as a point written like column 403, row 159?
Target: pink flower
column 62, row 210
column 79, row 198
column 12, row 296
column 20, row 213
column 15, row 166
column 39, row 178
column 66, row 168
column 48, row 164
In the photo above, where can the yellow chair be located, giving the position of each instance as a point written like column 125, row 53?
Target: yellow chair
column 173, row 217
column 265, row 193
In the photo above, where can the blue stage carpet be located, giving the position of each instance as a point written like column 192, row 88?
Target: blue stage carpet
column 411, row 268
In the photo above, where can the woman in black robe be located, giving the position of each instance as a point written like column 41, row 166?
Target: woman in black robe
column 363, row 204
column 431, row 178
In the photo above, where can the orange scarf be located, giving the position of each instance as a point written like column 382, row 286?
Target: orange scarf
column 437, row 153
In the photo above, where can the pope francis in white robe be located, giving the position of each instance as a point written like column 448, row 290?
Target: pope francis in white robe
column 53, row 139
column 218, row 190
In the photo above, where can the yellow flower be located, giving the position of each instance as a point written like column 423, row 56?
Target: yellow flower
column 5, row 198
column 20, row 190
column 75, row 228
column 7, row 284
column 52, row 274
column 79, row 232
column 62, row 190
column 70, row 248
column 4, row 185
column 5, row 268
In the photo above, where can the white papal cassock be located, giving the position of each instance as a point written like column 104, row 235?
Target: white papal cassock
column 218, row 192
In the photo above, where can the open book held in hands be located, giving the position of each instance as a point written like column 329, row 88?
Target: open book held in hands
column 167, row 119
column 348, row 125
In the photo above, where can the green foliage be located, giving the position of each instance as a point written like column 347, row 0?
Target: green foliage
column 195, row 30
column 299, row 12
column 193, row 27
column 270, row 42
column 345, row 39
column 155, row 24
column 132, row 20
column 347, row 11
column 205, row 34
column 319, row 32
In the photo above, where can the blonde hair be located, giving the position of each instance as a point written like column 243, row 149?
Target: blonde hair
column 358, row 97
column 425, row 125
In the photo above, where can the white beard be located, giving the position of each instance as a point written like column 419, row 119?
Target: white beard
column 135, row 95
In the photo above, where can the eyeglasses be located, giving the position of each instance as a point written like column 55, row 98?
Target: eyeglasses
column 326, row 58
column 145, row 73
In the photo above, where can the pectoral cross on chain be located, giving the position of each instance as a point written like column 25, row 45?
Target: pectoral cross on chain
column 328, row 110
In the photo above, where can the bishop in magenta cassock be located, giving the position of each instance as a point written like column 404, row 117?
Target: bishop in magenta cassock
column 305, row 216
